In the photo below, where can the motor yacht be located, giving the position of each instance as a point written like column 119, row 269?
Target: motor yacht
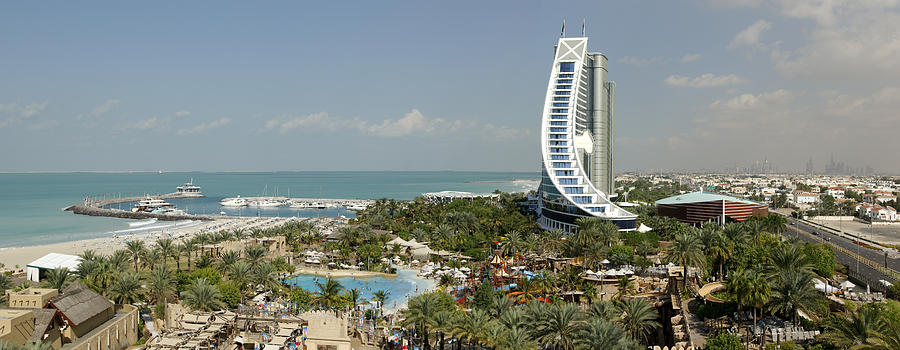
column 189, row 190
column 234, row 202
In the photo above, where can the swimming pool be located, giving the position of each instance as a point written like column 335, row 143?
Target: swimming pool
column 405, row 284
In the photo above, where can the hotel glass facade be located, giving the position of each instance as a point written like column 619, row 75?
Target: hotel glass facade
column 577, row 141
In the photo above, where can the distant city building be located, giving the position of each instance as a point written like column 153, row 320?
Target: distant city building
column 577, row 141
column 804, row 199
column 701, row 207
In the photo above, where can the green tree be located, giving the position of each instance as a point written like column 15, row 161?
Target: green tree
column 329, row 293
column 638, row 318
column 724, row 341
column 484, row 295
column 380, row 296
column 127, row 288
column 136, row 248
column 203, row 296
column 161, row 283
column 792, row 291
column 473, row 327
column 600, row 334
column 856, row 330
column 231, row 293
column 559, row 326
column 687, row 249
column 58, row 278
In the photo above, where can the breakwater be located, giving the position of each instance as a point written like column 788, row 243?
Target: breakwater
column 96, row 208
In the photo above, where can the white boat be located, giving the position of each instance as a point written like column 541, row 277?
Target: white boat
column 142, row 222
column 356, row 207
column 150, row 204
column 168, row 211
column 233, row 202
column 265, row 203
column 189, row 189
column 299, row 205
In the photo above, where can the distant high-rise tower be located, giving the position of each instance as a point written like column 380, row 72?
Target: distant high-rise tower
column 809, row 166
column 577, row 141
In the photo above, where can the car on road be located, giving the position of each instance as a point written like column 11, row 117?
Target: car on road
column 827, row 238
column 815, row 233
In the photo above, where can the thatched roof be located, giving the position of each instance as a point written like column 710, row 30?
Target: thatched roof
column 78, row 303
column 43, row 318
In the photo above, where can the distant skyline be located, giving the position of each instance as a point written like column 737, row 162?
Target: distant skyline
column 406, row 85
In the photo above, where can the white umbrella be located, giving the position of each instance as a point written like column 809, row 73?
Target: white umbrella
column 847, row 285
column 604, row 262
column 589, row 272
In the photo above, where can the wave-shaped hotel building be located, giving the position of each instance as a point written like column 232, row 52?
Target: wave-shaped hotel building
column 577, row 141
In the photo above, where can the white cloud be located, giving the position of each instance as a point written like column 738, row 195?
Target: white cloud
column 215, row 124
column 705, row 80
column 842, row 39
column 691, row 57
column 182, row 113
column 750, row 37
column 13, row 113
column 412, row 124
column 146, row 124
column 101, row 109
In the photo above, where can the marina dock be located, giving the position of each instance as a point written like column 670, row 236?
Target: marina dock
column 96, row 208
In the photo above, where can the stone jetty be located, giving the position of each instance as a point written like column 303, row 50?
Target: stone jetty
column 96, row 208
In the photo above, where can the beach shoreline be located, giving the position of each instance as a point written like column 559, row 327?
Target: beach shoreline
column 16, row 258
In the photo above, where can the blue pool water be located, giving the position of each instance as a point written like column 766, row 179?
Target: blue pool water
column 405, row 284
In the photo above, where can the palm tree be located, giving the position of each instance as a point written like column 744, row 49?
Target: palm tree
column 757, row 292
column 126, row 289
column 165, row 247
column 792, row 291
column 381, row 296
column 442, row 322
column 352, row 296
column 136, row 249
column 638, row 318
column 687, row 249
column 605, row 310
column 736, row 232
column 187, row 248
column 473, row 327
column 161, row 283
column 600, row 334
column 625, row 285
column 500, row 305
column 229, row 257
column 789, row 256
column 329, row 292
column 202, row 296
column 856, row 330
column 255, row 254
column 515, row 338
column 265, row 275
column 58, row 278
column 561, row 328
column 418, row 314
column 738, row 284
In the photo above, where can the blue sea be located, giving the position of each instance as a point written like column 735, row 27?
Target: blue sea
column 31, row 203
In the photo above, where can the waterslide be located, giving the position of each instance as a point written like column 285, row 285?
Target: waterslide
column 706, row 291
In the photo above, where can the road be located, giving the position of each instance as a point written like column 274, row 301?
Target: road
column 871, row 266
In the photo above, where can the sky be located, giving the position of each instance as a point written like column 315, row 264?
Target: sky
column 449, row 85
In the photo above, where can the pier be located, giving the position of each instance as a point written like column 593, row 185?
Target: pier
column 96, row 208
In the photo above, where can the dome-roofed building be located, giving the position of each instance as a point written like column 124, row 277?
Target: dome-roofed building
column 699, row 207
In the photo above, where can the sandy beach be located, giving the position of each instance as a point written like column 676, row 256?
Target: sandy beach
column 340, row 273
column 20, row 256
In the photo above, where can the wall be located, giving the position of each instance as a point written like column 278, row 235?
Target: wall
column 16, row 326
column 115, row 334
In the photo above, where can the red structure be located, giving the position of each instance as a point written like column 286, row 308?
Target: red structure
column 698, row 207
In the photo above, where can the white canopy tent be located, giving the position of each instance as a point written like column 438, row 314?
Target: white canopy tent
column 49, row 262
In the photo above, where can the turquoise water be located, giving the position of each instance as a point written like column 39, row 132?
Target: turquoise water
column 30, row 204
column 406, row 284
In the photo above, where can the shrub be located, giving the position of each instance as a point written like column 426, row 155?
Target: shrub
column 724, row 341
